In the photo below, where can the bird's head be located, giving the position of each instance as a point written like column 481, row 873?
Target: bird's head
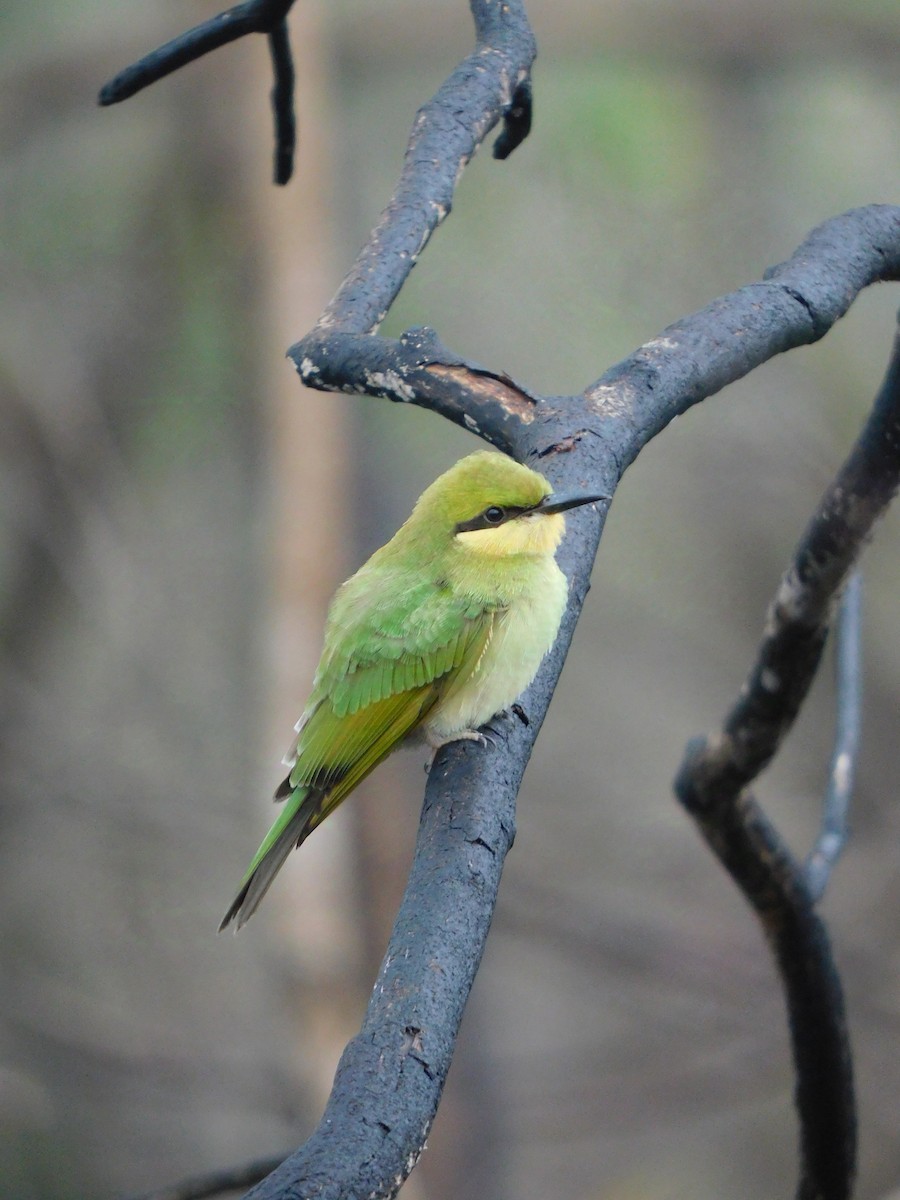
column 493, row 506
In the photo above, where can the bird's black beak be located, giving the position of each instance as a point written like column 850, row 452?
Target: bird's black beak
column 560, row 502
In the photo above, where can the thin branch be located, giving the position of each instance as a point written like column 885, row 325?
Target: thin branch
column 446, row 133
column 254, row 16
column 283, row 102
column 712, row 781
column 215, row 1183
column 418, row 369
column 848, row 686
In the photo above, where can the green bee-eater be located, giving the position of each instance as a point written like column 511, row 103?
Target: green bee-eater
column 438, row 632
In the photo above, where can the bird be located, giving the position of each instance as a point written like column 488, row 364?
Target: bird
column 437, row 633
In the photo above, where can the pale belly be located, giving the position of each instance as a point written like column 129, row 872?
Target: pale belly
column 509, row 663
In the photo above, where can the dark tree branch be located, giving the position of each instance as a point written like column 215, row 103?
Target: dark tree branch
column 254, row 16
column 848, row 686
column 390, row 1076
column 446, row 133
column 283, row 102
column 418, row 369
column 712, row 781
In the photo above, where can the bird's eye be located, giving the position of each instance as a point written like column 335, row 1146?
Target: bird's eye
column 494, row 515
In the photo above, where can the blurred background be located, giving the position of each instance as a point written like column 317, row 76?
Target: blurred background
column 175, row 511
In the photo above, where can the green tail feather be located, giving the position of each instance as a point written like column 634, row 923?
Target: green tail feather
column 294, row 823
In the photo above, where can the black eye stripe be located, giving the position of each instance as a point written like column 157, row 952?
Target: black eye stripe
column 491, row 517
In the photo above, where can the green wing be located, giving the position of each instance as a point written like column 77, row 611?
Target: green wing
column 379, row 679
column 385, row 667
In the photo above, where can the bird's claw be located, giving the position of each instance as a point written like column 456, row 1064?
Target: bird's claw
column 493, row 734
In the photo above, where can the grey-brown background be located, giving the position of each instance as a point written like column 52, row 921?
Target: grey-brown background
column 176, row 511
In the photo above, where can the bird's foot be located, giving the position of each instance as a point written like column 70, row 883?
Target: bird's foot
column 489, row 733
column 464, row 735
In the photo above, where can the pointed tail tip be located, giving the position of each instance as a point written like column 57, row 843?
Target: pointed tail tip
column 238, row 913
column 289, row 831
column 235, row 918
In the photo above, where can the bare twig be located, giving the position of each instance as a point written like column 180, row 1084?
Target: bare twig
column 215, row 1183
column 283, row 102
column 446, row 133
column 848, row 686
column 254, row 16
